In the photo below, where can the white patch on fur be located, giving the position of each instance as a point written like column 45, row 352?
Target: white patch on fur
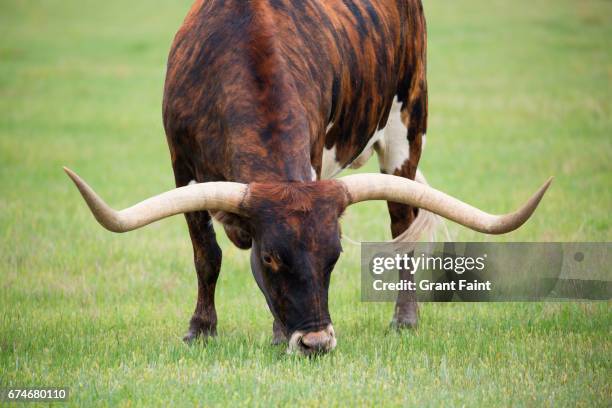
column 192, row 182
column 394, row 148
column 313, row 174
column 329, row 164
column 330, row 167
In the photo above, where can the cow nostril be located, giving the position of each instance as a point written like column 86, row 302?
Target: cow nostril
column 310, row 346
column 302, row 344
column 312, row 343
column 315, row 342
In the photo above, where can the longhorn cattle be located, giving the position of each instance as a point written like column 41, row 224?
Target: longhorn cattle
column 265, row 102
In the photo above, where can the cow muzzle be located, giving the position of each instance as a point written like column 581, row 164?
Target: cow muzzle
column 312, row 343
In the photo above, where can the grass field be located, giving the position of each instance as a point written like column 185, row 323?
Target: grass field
column 519, row 91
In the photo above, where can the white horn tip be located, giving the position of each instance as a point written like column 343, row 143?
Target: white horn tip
column 514, row 221
column 544, row 188
column 81, row 185
column 71, row 174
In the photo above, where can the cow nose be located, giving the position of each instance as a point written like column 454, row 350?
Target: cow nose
column 318, row 342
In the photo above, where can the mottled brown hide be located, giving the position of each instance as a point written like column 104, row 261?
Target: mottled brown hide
column 252, row 85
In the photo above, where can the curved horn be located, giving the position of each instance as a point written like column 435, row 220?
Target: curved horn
column 224, row 196
column 364, row 187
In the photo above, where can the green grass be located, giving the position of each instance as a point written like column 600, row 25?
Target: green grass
column 519, row 91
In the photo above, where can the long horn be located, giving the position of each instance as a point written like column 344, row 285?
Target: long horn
column 364, row 187
column 224, row 196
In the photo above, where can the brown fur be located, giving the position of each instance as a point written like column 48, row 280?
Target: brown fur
column 252, row 85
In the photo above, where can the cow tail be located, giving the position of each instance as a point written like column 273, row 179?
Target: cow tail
column 425, row 225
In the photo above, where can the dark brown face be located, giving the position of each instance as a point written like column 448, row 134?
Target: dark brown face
column 296, row 243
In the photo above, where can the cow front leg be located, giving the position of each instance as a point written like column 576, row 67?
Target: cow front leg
column 399, row 152
column 207, row 259
column 406, row 313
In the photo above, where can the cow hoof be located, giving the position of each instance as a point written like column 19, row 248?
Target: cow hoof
column 404, row 324
column 191, row 336
column 200, row 328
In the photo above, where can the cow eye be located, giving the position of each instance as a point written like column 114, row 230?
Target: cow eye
column 271, row 261
column 267, row 259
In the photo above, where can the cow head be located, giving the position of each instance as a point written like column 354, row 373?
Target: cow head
column 296, row 243
column 295, row 233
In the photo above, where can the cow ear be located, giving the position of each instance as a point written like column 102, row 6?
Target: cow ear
column 236, row 229
column 239, row 236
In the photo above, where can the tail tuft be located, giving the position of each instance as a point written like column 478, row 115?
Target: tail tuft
column 425, row 224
